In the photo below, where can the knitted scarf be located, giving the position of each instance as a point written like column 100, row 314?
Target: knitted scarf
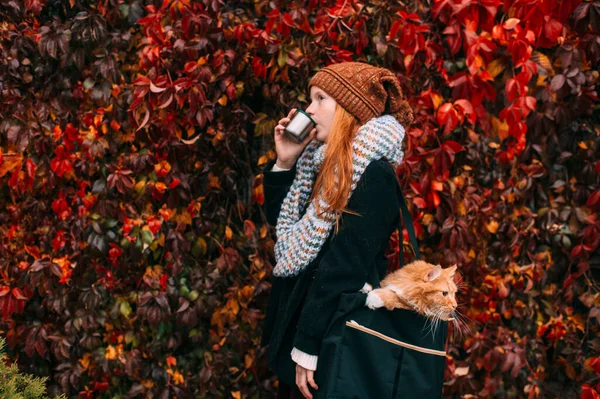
column 299, row 239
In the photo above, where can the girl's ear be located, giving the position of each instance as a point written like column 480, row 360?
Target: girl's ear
column 433, row 273
column 452, row 270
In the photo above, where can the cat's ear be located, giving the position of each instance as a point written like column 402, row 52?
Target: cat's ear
column 433, row 273
column 452, row 270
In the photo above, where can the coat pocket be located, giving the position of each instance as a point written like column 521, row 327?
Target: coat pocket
column 362, row 371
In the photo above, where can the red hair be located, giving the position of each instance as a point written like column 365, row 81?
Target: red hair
column 339, row 153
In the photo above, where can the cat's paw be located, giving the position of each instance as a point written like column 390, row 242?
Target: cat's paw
column 366, row 288
column 374, row 301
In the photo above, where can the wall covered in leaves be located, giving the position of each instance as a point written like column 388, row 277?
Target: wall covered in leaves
column 134, row 255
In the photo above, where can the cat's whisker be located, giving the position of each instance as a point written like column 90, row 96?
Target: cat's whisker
column 436, row 319
column 462, row 326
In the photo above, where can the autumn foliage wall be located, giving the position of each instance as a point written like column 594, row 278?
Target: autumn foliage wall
column 134, row 255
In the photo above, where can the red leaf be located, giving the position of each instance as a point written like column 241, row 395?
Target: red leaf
column 17, row 293
column 594, row 200
column 35, row 5
column 4, row 290
column 447, row 117
column 587, row 392
column 595, row 363
column 452, row 146
column 142, row 81
column 155, row 89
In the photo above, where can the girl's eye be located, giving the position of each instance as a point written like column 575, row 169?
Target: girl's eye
column 445, row 293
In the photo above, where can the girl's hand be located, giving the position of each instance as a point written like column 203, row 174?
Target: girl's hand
column 288, row 150
column 302, row 377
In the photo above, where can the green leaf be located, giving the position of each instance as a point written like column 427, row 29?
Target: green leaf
column 124, row 9
column 88, row 83
column 125, row 309
column 282, row 58
column 147, row 237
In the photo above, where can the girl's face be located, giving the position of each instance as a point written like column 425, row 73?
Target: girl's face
column 322, row 110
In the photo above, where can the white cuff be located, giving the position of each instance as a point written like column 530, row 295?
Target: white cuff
column 277, row 168
column 305, row 360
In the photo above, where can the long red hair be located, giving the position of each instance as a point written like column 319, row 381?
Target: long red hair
column 339, row 153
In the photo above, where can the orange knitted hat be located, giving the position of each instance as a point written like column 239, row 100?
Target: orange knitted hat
column 364, row 90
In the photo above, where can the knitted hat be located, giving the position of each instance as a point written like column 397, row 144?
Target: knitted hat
column 364, row 90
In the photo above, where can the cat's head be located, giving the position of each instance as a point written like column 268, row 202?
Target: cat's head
column 430, row 289
column 439, row 290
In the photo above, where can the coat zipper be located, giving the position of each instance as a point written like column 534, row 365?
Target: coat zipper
column 367, row 330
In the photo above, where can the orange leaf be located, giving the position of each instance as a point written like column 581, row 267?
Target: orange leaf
column 10, row 162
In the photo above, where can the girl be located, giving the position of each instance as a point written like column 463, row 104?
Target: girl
column 334, row 203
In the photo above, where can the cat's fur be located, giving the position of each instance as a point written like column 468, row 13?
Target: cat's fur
column 420, row 286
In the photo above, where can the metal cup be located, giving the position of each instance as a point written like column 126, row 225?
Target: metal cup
column 300, row 126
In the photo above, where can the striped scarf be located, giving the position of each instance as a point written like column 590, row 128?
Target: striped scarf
column 300, row 239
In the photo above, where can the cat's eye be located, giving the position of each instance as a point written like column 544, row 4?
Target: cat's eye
column 445, row 293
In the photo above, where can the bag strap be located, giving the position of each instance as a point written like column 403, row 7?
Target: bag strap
column 405, row 216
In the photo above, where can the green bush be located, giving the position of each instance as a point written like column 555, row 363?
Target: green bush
column 14, row 385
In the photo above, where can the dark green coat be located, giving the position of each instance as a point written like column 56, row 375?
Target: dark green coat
column 300, row 308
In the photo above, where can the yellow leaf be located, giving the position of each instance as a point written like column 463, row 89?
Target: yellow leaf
column 110, row 353
column 177, row 378
column 11, row 161
column 461, row 209
column 184, row 216
column 245, row 294
column 542, row 60
column 541, row 81
column 248, row 360
column 85, row 362
column 213, row 181
column 437, row 100
column 471, row 254
column 427, row 219
column 437, row 185
column 579, row 322
column 492, row 226
column 160, row 187
column 140, row 186
column 495, row 67
column 263, row 160
column 582, row 145
column 407, row 60
column 223, row 100
column 233, row 306
column 570, row 371
column 236, row 395
column 147, row 384
column 228, row 233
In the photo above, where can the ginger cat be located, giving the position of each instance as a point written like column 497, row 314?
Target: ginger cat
column 420, row 286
